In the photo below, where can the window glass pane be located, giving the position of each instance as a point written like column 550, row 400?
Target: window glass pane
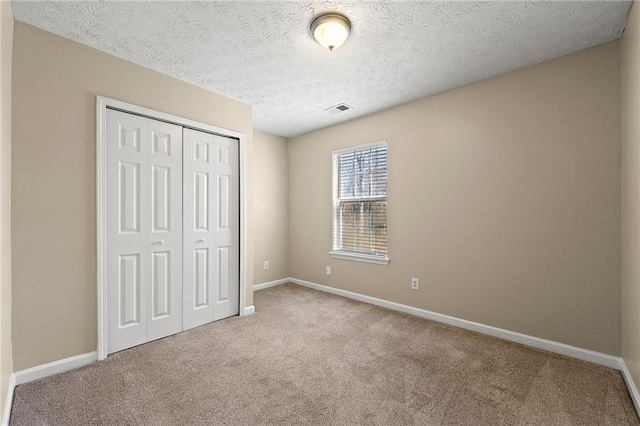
column 363, row 173
column 362, row 184
column 346, row 176
column 347, row 228
column 364, row 226
column 379, row 173
column 379, row 226
column 361, row 222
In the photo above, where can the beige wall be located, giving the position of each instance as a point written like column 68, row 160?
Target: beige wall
column 6, row 36
column 504, row 199
column 271, row 203
column 510, row 215
column 55, row 82
column 630, row 89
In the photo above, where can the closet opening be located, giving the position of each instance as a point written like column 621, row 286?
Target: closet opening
column 170, row 224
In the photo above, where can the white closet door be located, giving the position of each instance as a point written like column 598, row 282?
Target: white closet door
column 144, row 230
column 211, row 228
column 164, row 302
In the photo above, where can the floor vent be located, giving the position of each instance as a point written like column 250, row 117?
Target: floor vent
column 338, row 108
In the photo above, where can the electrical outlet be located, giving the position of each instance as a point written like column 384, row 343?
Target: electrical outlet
column 415, row 284
column 328, row 270
column 266, row 264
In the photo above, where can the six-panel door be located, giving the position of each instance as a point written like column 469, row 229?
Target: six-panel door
column 211, row 228
column 144, row 229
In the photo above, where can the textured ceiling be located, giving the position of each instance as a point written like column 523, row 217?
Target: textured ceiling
column 262, row 52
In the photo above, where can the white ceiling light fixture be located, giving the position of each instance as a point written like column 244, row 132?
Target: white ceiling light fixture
column 331, row 30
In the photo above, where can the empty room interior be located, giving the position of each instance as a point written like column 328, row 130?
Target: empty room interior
column 320, row 212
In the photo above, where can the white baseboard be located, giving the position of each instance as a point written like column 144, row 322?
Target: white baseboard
column 249, row 310
column 262, row 286
column 46, row 370
column 536, row 342
column 6, row 412
column 633, row 390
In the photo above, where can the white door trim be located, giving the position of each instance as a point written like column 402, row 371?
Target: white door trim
column 102, row 103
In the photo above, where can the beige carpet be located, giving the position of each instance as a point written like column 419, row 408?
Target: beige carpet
column 307, row 357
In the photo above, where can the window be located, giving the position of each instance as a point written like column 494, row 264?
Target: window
column 360, row 203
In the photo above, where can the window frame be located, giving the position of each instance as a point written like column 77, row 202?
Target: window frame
column 335, row 252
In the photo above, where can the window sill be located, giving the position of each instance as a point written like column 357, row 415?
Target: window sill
column 360, row 258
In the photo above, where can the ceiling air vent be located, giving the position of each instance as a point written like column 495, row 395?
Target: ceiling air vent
column 338, row 108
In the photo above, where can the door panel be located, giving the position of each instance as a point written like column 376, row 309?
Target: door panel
column 144, row 229
column 164, row 242
column 201, row 280
column 129, row 197
column 211, row 228
column 129, row 299
column 126, row 220
column 223, row 202
column 202, row 201
column 198, row 238
column 227, row 232
column 130, row 136
column 223, row 273
column 161, row 285
column 161, row 198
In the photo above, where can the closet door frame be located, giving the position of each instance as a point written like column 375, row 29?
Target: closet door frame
column 102, row 104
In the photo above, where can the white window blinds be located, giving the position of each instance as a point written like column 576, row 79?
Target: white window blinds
column 360, row 201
